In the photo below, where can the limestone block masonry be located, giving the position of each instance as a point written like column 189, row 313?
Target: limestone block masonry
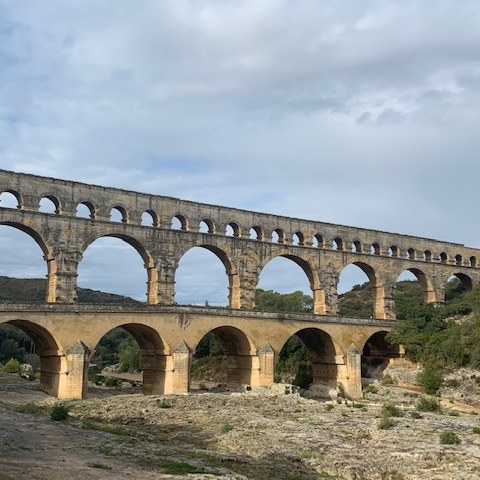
column 67, row 333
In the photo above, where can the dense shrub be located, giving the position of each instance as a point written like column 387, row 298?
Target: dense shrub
column 59, row 412
column 12, row 366
column 390, row 410
column 425, row 404
column 449, row 438
column 431, row 379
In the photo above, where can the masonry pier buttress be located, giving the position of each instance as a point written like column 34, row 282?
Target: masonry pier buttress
column 66, row 333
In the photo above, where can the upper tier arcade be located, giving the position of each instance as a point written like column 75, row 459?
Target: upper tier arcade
column 245, row 241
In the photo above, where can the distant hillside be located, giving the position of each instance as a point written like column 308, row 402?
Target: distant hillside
column 358, row 302
column 27, row 290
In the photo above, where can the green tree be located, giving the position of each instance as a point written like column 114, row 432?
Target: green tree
column 9, row 348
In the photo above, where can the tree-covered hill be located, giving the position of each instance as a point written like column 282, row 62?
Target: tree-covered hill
column 27, row 290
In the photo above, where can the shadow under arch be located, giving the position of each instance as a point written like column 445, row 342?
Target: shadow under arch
column 49, row 351
column 50, row 294
column 378, row 289
column 148, row 260
column 377, row 353
column 230, row 270
column 155, row 355
column 239, row 355
column 466, row 280
column 317, row 293
column 321, row 367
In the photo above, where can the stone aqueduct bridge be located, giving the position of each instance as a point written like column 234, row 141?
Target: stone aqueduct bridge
column 66, row 332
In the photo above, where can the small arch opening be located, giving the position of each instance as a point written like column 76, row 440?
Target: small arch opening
column 458, row 260
column 337, row 243
column 118, row 214
column 298, row 239
column 278, row 236
column 85, row 210
column 443, row 257
column 232, row 230
column 375, row 249
column 357, row 246
column 206, row 226
column 393, row 251
column 49, row 204
column 427, row 255
column 149, row 219
column 473, row 262
column 411, row 254
column 317, row 241
column 256, row 233
column 10, row 199
column 179, row 222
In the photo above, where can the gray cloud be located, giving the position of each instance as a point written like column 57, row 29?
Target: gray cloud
column 362, row 113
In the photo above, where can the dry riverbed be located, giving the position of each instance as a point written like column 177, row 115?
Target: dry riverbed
column 229, row 436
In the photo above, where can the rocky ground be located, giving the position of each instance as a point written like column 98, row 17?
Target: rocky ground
column 250, row 435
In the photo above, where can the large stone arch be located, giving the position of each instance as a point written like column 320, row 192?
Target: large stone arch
column 380, row 309
column 50, row 352
column 51, row 264
column 467, row 280
column 323, row 352
column 156, row 358
column 424, row 280
column 240, row 352
column 230, row 269
column 377, row 353
column 148, row 259
column 312, row 276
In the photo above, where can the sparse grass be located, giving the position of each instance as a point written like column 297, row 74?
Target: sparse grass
column 227, row 428
column 370, row 388
column 415, row 415
column 476, row 430
column 449, row 438
column 386, row 423
column 164, row 403
column 30, row 408
column 102, row 427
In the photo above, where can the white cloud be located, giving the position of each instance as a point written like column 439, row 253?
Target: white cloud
column 361, row 113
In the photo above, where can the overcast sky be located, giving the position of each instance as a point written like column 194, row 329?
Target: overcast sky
column 359, row 113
